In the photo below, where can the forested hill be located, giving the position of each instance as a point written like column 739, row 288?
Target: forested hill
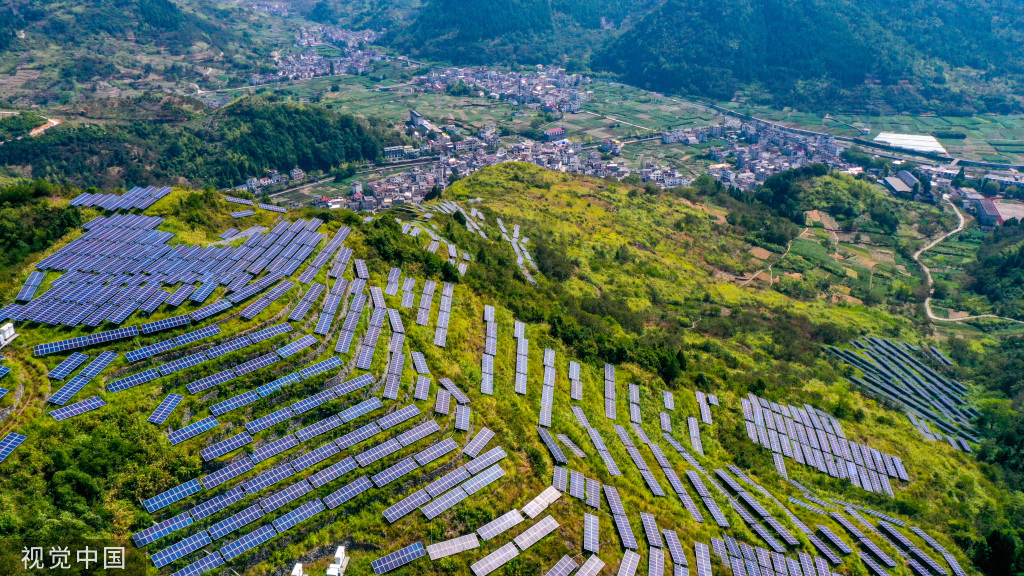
column 819, row 53
column 161, row 22
column 166, row 140
column 524, row 31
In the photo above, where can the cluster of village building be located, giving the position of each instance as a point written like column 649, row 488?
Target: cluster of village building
column 548, row 89
column 310, row 63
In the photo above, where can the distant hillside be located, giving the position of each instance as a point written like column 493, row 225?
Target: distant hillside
column 166, row 140
column 523, row 31
column 63, row 47
column 953, row 56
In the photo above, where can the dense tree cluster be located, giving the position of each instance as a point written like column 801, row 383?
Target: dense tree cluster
column 239, row 141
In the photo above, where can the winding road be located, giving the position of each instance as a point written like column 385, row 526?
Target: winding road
column 931, row 285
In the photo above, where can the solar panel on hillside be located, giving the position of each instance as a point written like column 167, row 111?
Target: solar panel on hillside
column 377, row 452
column 9, row 444
column 180, row 549
column 500, row 524
column 78, row 408
column 224, row 446
column 66, row 392
column 398, row 559
column 462, row 414
column 298, row 515
column 444, row 502
column 67, row 366
column 495, row 560
column 192, row 430
column 625, row 531
column 274, row 448
column 172, row 495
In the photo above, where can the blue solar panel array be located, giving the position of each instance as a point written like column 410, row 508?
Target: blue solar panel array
column 133, row 380
column 78, row 408
column 9, row 443
column 234, row 402
column 296, row 346
column 98, row 365
column 201, row 566
column 165, row 324
column 398, row 559
column 192, row 430
column 181, row 549
column 197, row 335
column 236, row 521
column 149, row 351
column 163, row 411
column 217, row 503
column 210, row 381
column 251, row 540
column 165, row 499
column 233, row 470
column 67, row 366
column 348, row 492
column 161, row 529
column 224, row 446
column 84, row 341
column 74, row 386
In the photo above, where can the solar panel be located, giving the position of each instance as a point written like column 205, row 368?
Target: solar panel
column 363, row 408
column 651, row 530
column 445, row 502
column 483, row 479
column 398, row 559
column 270, row 388
column 500, row 524
column 171, row 496
column 234, row 402
column 268, row 478
column 674, row 546
column 67, row 366
column 285, row 496
column 94, row 368
column 591, row 533
column 233, row 470
column 236, row 521
column 192, row 430
column 180, row 549
column 394, row 472
column 358, row 435
column 453, row 546
column 251, row 540
column 66, row 392
column 348, row 492
column 197, row 335
column 333, row 472
column 298, row 515
column 216, row 504
column 403, row 507
column 269, row 420
column 9, row 444
column 625, row 531
column 377, row 452
column 165, row 324
column 462, row 414
column 274, row 448
column 495, row 560
column 703, row 555
column 223, row 447
column 78, row 408
column 630, row 562
column 201, row 566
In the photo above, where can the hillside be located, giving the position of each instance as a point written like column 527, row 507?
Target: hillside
column 155, row 139
column 954, row 57
column 625, row 276
column 60, row 52
column 514, row 31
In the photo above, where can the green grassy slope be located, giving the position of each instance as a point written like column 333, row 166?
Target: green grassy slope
column 85, row 476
